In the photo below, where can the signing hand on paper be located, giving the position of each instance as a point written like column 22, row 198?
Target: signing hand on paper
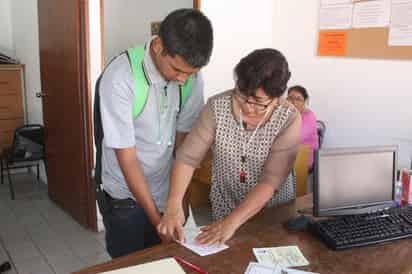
column 171, row 224
column 216, row 233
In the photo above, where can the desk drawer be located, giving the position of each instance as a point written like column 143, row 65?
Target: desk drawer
column 10, row 82
column 11, row 106
column 7, row 128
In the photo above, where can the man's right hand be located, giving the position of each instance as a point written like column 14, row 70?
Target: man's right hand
column 171, row 224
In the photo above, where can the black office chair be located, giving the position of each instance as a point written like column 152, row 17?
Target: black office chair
column 4, row 267
column 27, row 150
column 321, row 127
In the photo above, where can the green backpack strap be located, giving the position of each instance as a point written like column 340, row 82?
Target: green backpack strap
column 185, row 91
column 136, row 56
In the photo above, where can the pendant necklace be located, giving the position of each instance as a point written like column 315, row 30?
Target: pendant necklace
column 243, row 157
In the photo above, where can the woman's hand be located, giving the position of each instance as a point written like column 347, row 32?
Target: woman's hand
column 171, row 224
column 217, row 233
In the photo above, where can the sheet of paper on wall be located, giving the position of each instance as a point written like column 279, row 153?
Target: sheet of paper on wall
column 284, row 256
column 190, row 232
column 335, row 16
column 400, row 31
column 371, row 14
column 168, row 265
column 257, row 268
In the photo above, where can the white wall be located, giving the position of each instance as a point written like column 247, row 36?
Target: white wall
column 362, row 101
column 26, row 46
column 239, row 26
column 127, row 22
column 6, row 38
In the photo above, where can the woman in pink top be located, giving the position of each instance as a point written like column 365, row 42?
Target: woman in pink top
column 298, row 96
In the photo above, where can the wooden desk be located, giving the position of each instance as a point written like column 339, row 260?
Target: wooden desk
column 267, row 230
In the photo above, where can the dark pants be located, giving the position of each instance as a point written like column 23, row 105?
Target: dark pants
column 128, row 228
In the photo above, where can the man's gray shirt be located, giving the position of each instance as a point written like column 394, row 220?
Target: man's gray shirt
column 152, row 132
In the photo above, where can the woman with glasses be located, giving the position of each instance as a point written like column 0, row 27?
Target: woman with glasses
column 298, row 96
column 254, row 135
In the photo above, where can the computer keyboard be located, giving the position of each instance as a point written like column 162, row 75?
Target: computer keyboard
column 365, row 229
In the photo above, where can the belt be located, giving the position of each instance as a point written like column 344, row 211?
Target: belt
column 120, row 203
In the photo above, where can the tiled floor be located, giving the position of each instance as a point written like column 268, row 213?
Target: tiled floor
column 37, row 237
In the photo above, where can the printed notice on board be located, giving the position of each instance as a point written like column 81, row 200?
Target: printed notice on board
column 332, row 43
column 372, row 14
column 335, row 16
column 400, row 31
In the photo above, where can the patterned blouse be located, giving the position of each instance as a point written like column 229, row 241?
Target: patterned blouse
column 269, row 155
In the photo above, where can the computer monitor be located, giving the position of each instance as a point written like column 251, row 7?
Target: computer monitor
column 354, row 180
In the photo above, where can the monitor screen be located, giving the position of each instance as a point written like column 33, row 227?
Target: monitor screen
column 354, row 180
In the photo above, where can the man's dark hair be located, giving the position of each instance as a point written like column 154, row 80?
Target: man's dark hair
column 263, row 68
column 301, row 90
column 189, row 34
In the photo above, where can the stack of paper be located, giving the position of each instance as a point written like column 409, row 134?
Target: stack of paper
column 168, row 265
column 277, row 260
column 256, row 268
column 283, row 256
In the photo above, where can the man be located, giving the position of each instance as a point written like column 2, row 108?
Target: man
column 148, row 99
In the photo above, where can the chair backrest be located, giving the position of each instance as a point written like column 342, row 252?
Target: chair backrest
column 301, row 169
column 28, row 142
column 321, row 127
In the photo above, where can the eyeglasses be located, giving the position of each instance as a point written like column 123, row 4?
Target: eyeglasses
column 295, row 99
column 257, row 106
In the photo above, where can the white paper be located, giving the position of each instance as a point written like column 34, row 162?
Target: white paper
column 400, row 32
column 334, row 2
column 168, row 265
column 335, row 17
column 284, row 256
column 256, row 268
column 190, row 233
column 372, row 14
column 295, row 271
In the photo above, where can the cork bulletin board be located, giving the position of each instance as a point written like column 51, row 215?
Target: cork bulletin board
column 362, row 29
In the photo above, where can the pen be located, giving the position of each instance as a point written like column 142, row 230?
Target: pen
column 190, row 265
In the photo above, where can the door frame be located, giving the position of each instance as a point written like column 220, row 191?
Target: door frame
column 87, row 110
column 87, row 95
column 88, row 104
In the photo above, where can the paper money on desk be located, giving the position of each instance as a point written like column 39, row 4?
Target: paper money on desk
column 190, row 233
column 284, row 256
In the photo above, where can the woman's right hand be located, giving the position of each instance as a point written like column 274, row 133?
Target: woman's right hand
column 171, row 224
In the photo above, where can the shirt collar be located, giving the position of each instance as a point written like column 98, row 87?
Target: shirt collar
column 152, row 73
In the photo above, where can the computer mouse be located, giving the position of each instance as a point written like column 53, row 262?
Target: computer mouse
column 301, row 222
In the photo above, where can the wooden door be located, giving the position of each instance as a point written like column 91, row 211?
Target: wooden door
column 67, row 107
